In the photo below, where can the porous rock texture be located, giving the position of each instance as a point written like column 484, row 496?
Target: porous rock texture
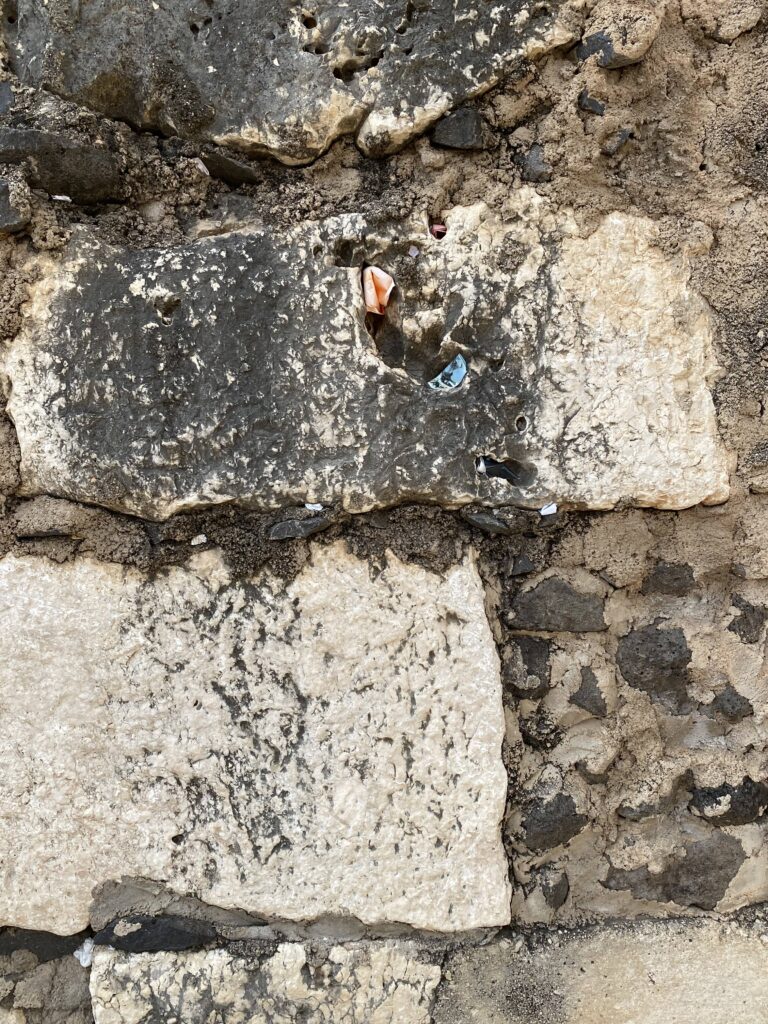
column 343, row 679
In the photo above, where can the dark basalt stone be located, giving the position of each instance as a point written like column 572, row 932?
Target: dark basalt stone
column 748, row 624
column 731, row 705
column 669, row 578
column 526, row 667
column 534, row 167
column 731, row 805
column 228, row 169
column 656, row 661
column 555, row 606
column 699, row 879
column 12, row 217
column 63, row 165
column 553, row 822
column 616, row 142
column 142, row 934
column 299, row 529
column 555, row 887
column 462, row 129
column 590, row 104
column 589, row 696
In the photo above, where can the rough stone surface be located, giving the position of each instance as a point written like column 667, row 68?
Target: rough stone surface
column 276, row 79
column 555, row 605
column 383, row 983
column 462, row 129
column 654, row 973
column 698, row 877
column 240, row 367
column 258, row 748
column 63, row 165
column 656, row 660
column 552, row 822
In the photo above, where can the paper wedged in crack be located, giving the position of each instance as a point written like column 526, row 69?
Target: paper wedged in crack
column 384, row 983
column 241, row 368
column 329, row 749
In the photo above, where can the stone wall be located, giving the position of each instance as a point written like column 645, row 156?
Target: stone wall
column 398, row 667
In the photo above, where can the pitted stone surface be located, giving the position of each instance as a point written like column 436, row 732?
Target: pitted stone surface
column 280, row 78
column 333, row 748
column 381, row 983
column 240, row 367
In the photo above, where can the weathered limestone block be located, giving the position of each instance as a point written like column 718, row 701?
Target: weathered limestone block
column 242, row 367
column 692, row 973
column 278, row 78
column 329, row 748
column 382, row 983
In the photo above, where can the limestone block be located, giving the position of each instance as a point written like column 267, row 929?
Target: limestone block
column 242, row 367
column 383, row 983
column 278, row 79
column 333, row 748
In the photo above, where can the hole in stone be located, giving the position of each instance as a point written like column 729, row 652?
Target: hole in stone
column 514, row 472
column 166, row 306
column 269, row 35
column 702, row 167
column 345, row 72
column 177, row 839
column 309, row 21
column 194, row 29
column 521, row 424
column 344, row 253
column 11, row 19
